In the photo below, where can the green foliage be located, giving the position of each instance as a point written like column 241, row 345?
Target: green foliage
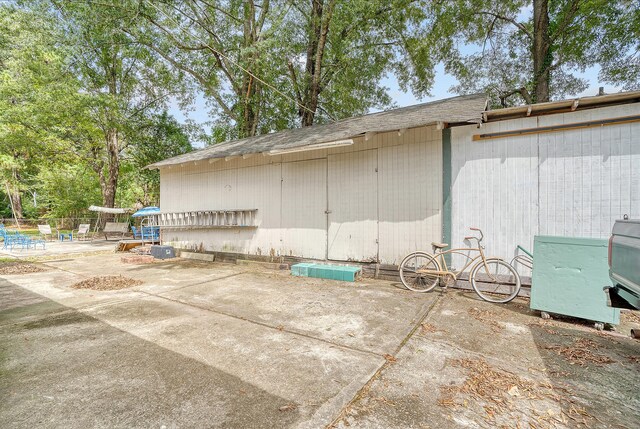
column 84, row 86
column 160, row 137
column 487, row 45
column 69, row 79
column 249, row 57
column 67, row 190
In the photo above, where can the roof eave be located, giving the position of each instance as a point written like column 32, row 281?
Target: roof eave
column 561, row 106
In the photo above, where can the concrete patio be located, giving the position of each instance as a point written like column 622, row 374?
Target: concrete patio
column 220, row 345
column 54, row 247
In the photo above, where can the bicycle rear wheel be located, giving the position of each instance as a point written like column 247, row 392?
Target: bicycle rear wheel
column 496, row 281
column 415, row 272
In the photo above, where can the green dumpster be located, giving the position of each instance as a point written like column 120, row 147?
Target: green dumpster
column 569, row 275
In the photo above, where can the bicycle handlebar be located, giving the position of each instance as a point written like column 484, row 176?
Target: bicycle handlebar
column 476, row 229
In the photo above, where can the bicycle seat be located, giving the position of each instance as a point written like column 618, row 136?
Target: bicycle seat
column 439, row 245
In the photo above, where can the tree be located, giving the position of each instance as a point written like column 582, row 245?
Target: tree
column 122, row 80
column 161, row 137
column 530, row 48
column 221, row 46
column 346, row 49
column 34, row 83
column 273, row 64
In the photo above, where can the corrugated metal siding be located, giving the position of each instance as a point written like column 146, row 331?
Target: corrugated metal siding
column 572, row 183
column 289, row 190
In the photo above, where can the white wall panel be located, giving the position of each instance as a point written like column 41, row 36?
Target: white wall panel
column 410, row 195
column 290, row 193
column 259, row 188
column 572, row 183
column 353, row 206
column 304, row 202
column 494, row 188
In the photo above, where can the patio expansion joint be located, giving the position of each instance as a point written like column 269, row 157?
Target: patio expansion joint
column 215, row 279
column 266, row 325
column 386, row 364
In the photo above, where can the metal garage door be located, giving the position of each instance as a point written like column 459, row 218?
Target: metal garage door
column 304, row 202
column 353, row 206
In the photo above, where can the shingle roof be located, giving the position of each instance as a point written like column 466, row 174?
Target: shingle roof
column 466, row 108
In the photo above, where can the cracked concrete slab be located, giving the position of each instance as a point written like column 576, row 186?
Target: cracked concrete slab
column 463, row 339
column 369, row 316
column 253, row 349
column 63, row 368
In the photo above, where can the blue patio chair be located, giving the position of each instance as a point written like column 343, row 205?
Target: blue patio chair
column 137, row 234
column 151, row 233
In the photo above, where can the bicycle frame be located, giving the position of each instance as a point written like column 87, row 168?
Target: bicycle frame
column 445, row 271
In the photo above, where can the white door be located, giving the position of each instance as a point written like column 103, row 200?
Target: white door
column 353, row 206
column 304, row 202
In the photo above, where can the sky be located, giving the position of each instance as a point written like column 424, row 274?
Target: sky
column 443, row 82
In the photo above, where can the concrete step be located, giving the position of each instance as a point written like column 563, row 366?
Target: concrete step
column 325, row 271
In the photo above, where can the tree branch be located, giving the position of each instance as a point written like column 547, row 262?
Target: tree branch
column 522, row 91
column 294, row 81
column 566, row 20
column 519, row 25
column 200, row 78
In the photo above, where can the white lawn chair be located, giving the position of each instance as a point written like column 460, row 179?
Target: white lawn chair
column 83, row 231
column 47, row 234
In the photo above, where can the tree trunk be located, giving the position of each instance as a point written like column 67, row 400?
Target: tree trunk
column 542, row 56
column 16, row 202
column 318, row 32
column 109, row 178
column 309, row 98
column 250, row 91
column 13, row 192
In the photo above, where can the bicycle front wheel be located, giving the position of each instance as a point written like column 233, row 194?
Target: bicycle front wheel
column 418, row 272
column 495, row 280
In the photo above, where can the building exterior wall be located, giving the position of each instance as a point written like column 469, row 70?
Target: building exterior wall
column 569, row 183
column 383, row 196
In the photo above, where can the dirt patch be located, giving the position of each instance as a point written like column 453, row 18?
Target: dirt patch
column 507, row 400
column 107, row 283
column 581, row 352
column 10, row 268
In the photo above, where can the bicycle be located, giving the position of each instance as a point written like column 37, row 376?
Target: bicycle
column 493, row 279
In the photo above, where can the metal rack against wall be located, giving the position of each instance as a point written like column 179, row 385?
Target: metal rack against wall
column 239, row 218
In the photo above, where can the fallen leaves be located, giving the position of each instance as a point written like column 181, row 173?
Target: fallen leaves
column 288, row 407
column 11, row 268
column 488, row 317
column 509, row 400
column 428, row 328
column 581, row 353
column 107, row 283
column 390, row 358
column 630, row 316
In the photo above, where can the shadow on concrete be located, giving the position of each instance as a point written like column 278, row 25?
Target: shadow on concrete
column 608, row 391
column 62, row 368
